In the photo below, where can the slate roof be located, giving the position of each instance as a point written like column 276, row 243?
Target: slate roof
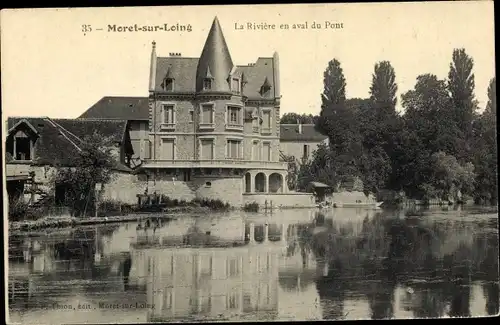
column 59, row 139
column 111, row 107
column 182, row 70
column 189, row 73
column 290, row 132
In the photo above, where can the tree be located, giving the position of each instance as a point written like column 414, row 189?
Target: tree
column 485, row 150
column 379, row 125
column 428, row 128
column 449, row 177
column 293, row 171
column 491, row 106
column 333, row 96
column 383, row 89
column 339, row 123
column 321, row 168
column 294, row 118
column 461, row 87
column 92, row 165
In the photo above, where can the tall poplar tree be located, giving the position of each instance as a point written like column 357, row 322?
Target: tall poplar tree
column 461, row 87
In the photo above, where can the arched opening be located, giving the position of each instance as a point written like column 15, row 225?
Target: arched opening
column 276, row 183
column 248, row 183
column 260, row 182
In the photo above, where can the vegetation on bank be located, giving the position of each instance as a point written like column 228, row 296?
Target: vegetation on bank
column 441, row 147
column 251, row 207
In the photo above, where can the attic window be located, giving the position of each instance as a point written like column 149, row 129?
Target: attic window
column 168, row 84
column 207, row 83
column 235, row 85
column 265, row 88
column 22, row 148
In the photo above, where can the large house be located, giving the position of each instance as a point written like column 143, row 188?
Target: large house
column 208, row 129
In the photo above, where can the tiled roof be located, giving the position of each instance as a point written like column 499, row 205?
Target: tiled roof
column 109, row 107
column 290, row 132
column 60, row 139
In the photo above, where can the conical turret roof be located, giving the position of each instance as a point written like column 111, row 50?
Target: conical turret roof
column 215, row 58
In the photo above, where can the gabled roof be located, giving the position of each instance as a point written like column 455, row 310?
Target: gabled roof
column 129, row 108
column 291, row 132
column 61, row 139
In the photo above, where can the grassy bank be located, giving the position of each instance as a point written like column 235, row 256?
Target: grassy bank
column 51, row 222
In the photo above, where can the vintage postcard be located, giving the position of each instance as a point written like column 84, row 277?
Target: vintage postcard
column 250, row 163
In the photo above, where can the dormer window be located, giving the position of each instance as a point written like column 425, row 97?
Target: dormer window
column 265, row 89
column 207, row 84
column 21, row 146
column 168, row 84
column 235, row 85
column 168, row 81
column 208, row 80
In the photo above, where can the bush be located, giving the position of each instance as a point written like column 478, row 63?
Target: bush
column 251, row 207
column 20, row 210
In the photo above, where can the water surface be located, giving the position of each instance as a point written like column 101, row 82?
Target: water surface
column 288, row 265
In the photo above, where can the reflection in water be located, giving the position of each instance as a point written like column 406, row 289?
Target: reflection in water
column 342, row 264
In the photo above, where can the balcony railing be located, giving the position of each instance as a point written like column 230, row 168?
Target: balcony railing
column 215, row 163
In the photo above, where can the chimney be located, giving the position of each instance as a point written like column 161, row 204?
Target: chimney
column 152, row 71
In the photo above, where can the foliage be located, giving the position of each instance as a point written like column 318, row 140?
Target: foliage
column 294, row 118
column 461, row 87
column 449, row 176
column 251, row 207
column 92, row 165
column 485, row 151
column 293, row 171
column 440, row 145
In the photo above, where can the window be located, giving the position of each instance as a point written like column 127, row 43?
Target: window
column 191, row 116
column 21, row 147
column 187, row 175
column 233, row 300
column 207, row 149
column 168, row 84
column 168, row 118
column 207, row 84
column 235, row 85
column 233, row 267
column 234, row 117
column 266, row 148
column 167, row 300
column 168, row 149
column 255, row 150
column 233, row 148
column 305, row 154
column 207, row 116
column 266, row 121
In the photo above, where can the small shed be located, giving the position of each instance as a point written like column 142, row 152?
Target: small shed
column 320, row 190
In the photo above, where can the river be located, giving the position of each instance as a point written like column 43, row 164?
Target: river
column 286, row 265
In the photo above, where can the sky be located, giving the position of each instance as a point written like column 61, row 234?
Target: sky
column 50, row 68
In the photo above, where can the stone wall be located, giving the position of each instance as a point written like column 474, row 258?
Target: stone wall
column 125, row 188
column 288, row 200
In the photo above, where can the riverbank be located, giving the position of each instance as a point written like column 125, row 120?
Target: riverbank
column 51, row 222
column 68, row 222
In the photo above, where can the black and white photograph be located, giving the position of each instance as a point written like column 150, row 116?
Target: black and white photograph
column 286, row 162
